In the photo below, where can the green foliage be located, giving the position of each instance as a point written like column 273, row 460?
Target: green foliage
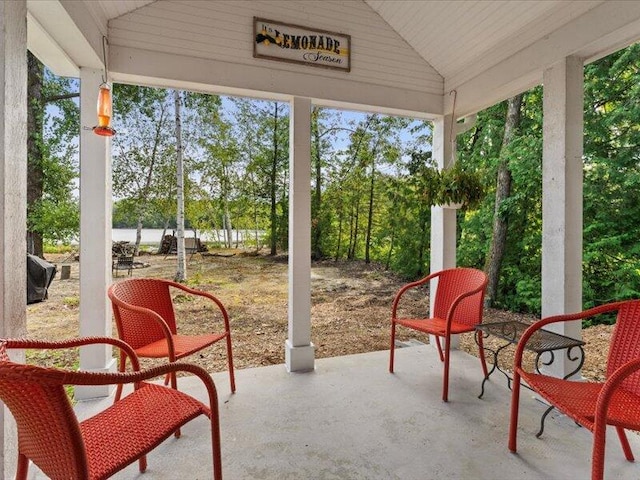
column 454, row 185
column 53, row 213
column 372, row 188
column 58, row 248
column 612, row 178
column 71, row 302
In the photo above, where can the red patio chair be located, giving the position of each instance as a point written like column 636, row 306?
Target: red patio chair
column 457, row 308
column 594, row 405
column 50, row 435
column 146, row 320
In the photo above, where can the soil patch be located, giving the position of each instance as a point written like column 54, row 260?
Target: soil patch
column 351, row 304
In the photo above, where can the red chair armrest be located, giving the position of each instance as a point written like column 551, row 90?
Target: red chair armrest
column 27, row 343
column 610, row 386
column 208, row 295
column 456, row 302
column 407, row 287
column 609, row 307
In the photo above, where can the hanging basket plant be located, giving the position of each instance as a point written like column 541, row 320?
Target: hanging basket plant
column 453, row 187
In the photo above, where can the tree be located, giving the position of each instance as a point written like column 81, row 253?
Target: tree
column 612, row 178
column 265, row 138
column 503, row 191
column 52, row 208
column 143, row 163
column 324, row 127
column 218, row 165
column 181, row 271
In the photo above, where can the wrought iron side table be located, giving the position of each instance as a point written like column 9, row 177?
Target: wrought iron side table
column 542, row 341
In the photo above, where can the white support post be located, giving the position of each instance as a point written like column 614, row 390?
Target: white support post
column 299, row 351
column 443, row 220
column 562, row 173
column 95, row 236
column 13, row 197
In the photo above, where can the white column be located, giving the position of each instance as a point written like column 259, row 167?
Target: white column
column 299, row 351
column 562, row 198
column 443, row 220
column 95, row 235
column 13, row 196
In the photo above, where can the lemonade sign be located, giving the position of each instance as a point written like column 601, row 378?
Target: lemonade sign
column 294, row 43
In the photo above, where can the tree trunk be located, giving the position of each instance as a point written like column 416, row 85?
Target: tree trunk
column 35, row 179
column 340, row 222
column 353, row 241
column 367, row 248
column 387, row 262
column 181, row 271
column 367, row 258
column 316, row 208
column 136, row 249
column 227, row 226
column 273, row 186
column 424, row 239
column 164, row 231
column 503, row 191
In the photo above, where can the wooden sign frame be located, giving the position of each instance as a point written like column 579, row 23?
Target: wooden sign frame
column 291, row 43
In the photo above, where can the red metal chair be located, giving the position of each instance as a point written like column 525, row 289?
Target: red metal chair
column 145, row 319
column 50, row 435
column 458, row 308
column 594, row 405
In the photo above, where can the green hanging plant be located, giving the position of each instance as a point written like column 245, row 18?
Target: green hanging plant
column 452, row 186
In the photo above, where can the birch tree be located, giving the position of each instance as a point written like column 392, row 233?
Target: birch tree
column 181, row 270
column 144, row 158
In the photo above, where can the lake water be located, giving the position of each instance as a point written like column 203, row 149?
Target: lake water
column 153, row 236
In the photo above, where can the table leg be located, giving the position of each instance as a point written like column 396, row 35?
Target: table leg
column 495, row 353
column 573, row 372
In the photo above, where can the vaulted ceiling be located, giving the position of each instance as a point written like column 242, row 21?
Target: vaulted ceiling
column 484, row 49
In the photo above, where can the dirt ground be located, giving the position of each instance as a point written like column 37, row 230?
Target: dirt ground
column 351, row 304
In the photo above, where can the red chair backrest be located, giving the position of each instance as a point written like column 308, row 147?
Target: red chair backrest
column 454, row 282
column 136, row 326
column 625, row 342
column 48, row 430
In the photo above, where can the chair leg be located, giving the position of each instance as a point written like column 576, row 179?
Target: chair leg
column 215, row 441
column 174, row 384
column 392, row 348
column 447, row 357
column 232, row 377
column 142, row 464
column 122, row 366
column 597, row 454
column 626, row 448
column 483, row 361
column 22, row 468
column 515, row 404
column 439, row 345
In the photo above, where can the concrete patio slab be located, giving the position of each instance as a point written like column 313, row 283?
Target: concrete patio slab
column 351, row 419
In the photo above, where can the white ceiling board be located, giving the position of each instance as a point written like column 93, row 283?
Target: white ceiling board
column 483, row 49
column 452, row 36
column 105, row 10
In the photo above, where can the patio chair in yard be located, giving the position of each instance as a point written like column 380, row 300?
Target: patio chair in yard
column 122, row 262
column 457, row 308
column 594, row 405
column 145, row 318
column 50, row 435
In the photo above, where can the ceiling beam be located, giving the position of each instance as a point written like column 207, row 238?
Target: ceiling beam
column 63, row 36
column 166, row 70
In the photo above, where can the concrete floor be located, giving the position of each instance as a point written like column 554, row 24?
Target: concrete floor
column 350, row 419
